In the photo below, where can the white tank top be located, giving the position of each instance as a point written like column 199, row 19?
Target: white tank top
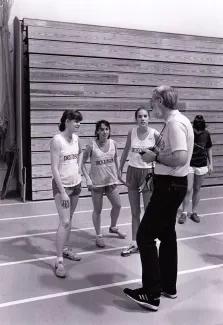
column 103, row 170
column 68, row 161
column 137, row 146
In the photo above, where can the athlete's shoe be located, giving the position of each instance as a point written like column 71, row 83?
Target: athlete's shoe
column 183, row 217
column 60, row 270
column 195, row 217
column 171, row 295
column 131, row 249
column 100, row 241
column 143, row 299
column 115, row 230
column 71, row 255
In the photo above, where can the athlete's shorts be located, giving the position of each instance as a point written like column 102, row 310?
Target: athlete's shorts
column 135, row 178
column 198, row 170
column 105, row 189
column 71, row 191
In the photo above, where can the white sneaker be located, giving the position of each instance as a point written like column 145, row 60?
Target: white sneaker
column 71, row 255
column 131, row 249
column 60, row 270
column 100, row 241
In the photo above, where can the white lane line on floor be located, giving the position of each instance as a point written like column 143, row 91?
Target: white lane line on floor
column 84, row 198
column 210, row 214
column 215, row 234
column 54, row 256
column 101, row 287
column 29, row 217
column 211, row 198
column 104, row 250
column 54, row 232
column 89, row 228
column 87, row 211
column 54, row 214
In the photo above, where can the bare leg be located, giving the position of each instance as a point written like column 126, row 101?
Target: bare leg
column 73, row 204
column 97, row 199
column 115, row 201
column 114, row 198
column 64, row 225
column 186, row 201
column 198, row 181
column 134, row 200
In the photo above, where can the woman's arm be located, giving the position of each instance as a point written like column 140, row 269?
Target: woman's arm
column 55, row 148
column 117, row 164
column 80, row 156
column 210, row 161
column 116, row 158
column 86, row 155
column 125, row 152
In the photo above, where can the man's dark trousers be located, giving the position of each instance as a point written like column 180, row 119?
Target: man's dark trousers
column 159, row 220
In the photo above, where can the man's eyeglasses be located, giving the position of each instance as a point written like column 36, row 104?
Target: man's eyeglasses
column 151, row 102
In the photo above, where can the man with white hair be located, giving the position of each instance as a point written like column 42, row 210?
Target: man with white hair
column 172, row 153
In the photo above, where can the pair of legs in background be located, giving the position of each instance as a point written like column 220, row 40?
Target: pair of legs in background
column 134, row 179
column 64, row 228
column 112, row 194
column 196, row 178
column 159, row 271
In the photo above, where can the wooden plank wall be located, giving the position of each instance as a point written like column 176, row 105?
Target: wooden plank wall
column 107, row 73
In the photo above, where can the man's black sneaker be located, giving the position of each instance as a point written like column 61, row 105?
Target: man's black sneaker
column 142, row 298
column 171, row 295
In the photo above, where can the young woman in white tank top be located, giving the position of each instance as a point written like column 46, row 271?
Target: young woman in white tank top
column 138, row 139
column 66, row 155
column 102, row 178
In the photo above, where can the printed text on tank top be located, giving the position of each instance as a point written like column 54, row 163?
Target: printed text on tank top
column 140, row 149
column 68, row 160
column 103, row 170
column 69, row 141
column 104, row 149
column 70, row 157
column 138, row 146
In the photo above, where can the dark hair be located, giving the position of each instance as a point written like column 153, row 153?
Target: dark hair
column 199, row 123
column 98, row 125
column 139, row 109
column 69, row 115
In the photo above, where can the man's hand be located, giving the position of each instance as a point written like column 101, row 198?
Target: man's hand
column 148, row 156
